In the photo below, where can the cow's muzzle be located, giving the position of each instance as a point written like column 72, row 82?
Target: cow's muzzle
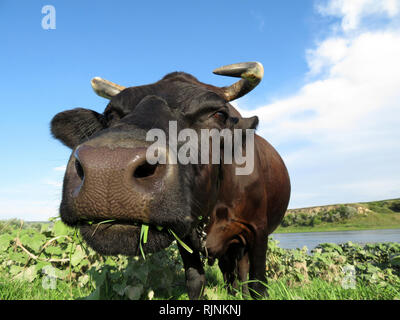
column 111, row 182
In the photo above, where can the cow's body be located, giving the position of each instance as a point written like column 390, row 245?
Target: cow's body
column 249, row 208
column 218, row 213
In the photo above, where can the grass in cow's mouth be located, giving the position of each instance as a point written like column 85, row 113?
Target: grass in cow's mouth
column 99, row 223
column 143, row 236
column 184, row 245
column 144, row 230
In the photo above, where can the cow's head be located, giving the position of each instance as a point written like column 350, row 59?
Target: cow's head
column 108, row 176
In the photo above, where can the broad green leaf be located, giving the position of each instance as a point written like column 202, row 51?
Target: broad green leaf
column 83, row 280
column 84, row 262
column 44, row 227
column 134, row 292
column 141, row 272
column 119, row 288
column 395, row 261
column 14, row 269
column 60, row 229
column 77, row 256
column 61, row 273
column 37, row 242
column 42, row 264
column 95, row 295
column 70, row 247
column 28, row 274
column 25, row 237
column 18, row 256
column 5, row 240
column 53, row 250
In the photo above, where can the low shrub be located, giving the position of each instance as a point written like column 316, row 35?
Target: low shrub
column 340, row 214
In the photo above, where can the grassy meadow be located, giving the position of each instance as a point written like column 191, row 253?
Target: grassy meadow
column 354, row 216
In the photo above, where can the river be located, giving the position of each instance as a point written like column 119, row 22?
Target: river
column 312, row 239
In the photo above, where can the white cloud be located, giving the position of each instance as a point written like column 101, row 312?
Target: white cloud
column 342, row 128
column 352, row 12
column 328, row 52
column 54, row 183
column 60, row 168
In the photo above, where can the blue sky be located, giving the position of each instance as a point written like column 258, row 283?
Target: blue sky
column 315, row 103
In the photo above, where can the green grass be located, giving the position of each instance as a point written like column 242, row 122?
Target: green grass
column 278, row 290
column 337, row 227
column 380, row 215
column 23, row 290
column 321, row 290
column 315, row 289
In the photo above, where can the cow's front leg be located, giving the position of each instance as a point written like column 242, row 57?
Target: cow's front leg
column 257, row 259
column 227, row 265
column 194, row 272
column 243, row 272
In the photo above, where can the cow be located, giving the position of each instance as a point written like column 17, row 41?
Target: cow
column 217, row 213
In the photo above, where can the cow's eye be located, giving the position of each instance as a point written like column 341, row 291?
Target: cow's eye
column 220, row 115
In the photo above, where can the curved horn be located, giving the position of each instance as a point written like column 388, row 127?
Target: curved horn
column 105, row 88
column 251, row 74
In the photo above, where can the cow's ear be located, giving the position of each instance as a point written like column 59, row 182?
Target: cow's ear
column 246, row 123
column 73, row 126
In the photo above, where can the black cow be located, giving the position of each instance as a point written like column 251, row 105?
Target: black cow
column 216, row 212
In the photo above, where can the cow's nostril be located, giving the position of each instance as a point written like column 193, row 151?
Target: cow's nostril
column 79, row 169
column 145, row 170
